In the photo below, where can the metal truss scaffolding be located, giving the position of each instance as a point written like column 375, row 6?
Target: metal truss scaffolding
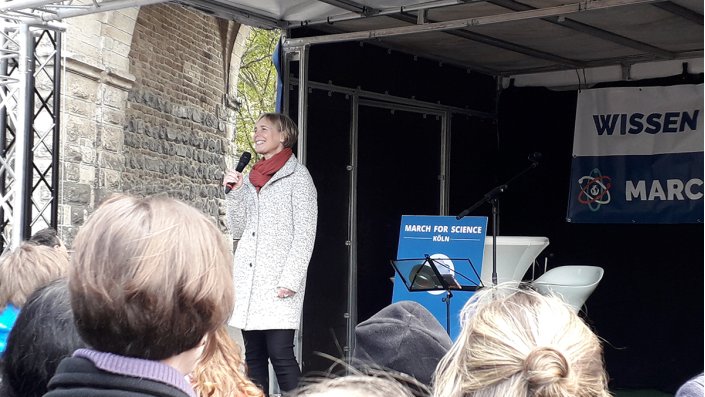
column 30, row 71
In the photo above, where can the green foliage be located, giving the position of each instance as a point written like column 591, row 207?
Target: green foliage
column 256, row 86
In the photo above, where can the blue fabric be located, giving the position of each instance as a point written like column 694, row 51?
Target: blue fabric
column 277, row 59
column 7, row 321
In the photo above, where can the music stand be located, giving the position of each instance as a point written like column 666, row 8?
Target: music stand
column 431, row 274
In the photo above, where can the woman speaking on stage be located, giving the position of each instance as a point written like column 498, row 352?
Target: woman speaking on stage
column 273, row 212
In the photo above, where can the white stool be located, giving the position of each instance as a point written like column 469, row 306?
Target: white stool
column 573, row 283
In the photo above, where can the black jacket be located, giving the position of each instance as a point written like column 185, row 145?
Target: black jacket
column 78, row 377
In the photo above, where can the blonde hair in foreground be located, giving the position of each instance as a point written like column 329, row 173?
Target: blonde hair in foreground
column 149, row 278
column 27, row 268
column 219, row 372
column 355, row 386
column 518, row 343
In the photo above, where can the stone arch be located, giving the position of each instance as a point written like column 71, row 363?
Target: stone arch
column 145, row 108
column 179, row 120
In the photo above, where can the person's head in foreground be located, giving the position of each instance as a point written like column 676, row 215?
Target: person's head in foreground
column 403, row 337
column 150, row 278
column 43, row 335
column 48, row 237
column 518, row 343
column 359, row 385
column 22, row 271
column 692, row 388
column 219, row 372
column 27, row 268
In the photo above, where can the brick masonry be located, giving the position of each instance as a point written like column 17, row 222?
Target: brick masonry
column 142, row 110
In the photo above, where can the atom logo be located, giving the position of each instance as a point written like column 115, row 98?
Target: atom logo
column 594, row 190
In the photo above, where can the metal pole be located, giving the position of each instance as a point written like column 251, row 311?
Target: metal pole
column 384, row 11
column 16, row 5
column 495, row 233
column 445, row 163
column 573, row 8
column 303, row 101
column 415, row 104
column 29, row 139
column 3, row 135
column 55, row 143
column 301, row 154
column 285, row 77
column 25, row 101
column 396, row 106
column 352, row 230
column 103, row 7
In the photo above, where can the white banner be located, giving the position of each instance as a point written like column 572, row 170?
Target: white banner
column 639, row 121
column 638, row 156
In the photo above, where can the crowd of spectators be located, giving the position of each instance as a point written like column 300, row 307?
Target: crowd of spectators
column 141, row 310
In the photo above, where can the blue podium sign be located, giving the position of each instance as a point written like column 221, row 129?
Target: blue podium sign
column 455, row 247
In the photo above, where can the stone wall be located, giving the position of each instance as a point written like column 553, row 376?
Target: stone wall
column 91, row 142
column 142, row 109
column 175, row 132
column 94, row 99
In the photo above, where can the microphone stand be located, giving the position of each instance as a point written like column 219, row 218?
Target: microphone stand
column 447, row 299
column 446, row 287
column 491, row 197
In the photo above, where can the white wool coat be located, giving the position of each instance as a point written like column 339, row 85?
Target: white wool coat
column 277, row 229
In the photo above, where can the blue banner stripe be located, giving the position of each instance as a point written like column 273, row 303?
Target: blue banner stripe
column 637, row 189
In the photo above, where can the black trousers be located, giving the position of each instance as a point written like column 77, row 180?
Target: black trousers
column 277, row 346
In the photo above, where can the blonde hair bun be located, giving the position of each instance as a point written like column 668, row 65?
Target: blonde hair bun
column 517, row 342
column 545, row 366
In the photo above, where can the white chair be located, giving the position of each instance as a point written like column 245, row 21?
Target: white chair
column 573, row 283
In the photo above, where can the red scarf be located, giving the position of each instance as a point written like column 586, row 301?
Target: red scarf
column 264, row 169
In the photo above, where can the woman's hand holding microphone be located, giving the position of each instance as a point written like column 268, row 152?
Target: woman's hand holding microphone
column 232, row 180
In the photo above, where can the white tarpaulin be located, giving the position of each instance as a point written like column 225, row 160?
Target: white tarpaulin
column 638, row 156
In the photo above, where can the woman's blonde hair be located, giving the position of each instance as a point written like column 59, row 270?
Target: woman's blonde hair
column 378, row 385
column 149, row 277
column 285, row 125
column 27, row 268
column 518, row 343
column 219, row 372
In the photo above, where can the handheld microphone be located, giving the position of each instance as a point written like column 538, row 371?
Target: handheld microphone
column 244, row 159
column 535, row 157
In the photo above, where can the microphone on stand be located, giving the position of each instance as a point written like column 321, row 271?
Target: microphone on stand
column 534, row 157
column 244, row 159
column 496, row 191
